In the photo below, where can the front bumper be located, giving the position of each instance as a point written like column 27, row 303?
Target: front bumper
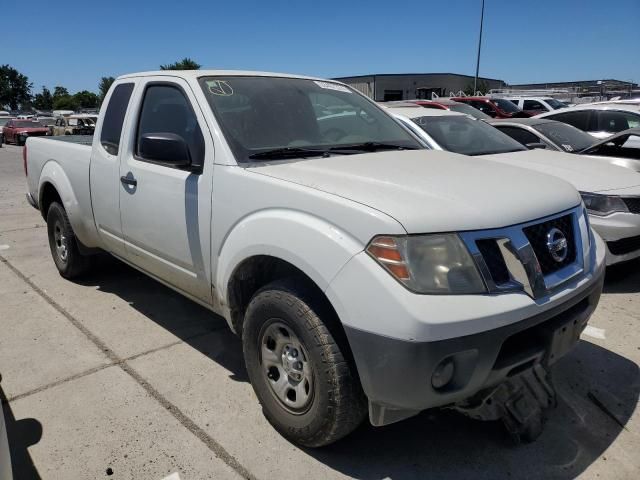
column 397, row 375
column 621, row 233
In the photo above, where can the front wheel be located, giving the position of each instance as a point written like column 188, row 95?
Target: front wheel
column 63, row 243
column 308, row 389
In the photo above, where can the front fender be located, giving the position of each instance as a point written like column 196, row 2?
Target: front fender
column 313, row 245
column 76, row 203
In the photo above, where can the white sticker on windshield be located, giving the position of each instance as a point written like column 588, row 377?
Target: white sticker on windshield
column 220, row 87
column 568, row 148
column 333, row 86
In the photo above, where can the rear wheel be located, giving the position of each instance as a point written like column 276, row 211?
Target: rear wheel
column 308, row 390
column 63, row 243
column 19, row 140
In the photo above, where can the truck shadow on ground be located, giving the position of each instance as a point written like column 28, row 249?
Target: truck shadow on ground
column 438, row 444
column 21, row 434
column 185, row 319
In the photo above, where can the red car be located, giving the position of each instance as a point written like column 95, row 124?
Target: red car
column 494, row 107
column 17, row 131
column 448, row 104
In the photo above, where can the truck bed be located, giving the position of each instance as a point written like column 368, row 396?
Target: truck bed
column 78, row 139
column 64, row 160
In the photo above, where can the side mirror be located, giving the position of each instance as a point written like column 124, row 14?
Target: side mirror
column 166, row 148
column 531, row 146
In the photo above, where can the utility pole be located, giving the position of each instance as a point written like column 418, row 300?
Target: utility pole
column 475, row 80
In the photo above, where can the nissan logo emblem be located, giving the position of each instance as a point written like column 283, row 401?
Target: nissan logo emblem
column 557, row 245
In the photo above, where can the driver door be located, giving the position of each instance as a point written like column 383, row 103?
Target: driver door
column 166, row 210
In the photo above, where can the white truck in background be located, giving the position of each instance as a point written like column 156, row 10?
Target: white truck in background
column 362, row 272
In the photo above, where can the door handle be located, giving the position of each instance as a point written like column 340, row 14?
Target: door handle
column 129, row 181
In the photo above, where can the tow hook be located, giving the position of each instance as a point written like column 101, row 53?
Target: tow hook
column 520, row 402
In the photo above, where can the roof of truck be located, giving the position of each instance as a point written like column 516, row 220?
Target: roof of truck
column 195, row 74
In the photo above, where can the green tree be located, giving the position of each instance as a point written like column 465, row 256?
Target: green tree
column 44, row 100
column 59, row 91
column 104, row 86
column 184, row 64
column 15, row 88
column 62, row 100
column 65, row 102
column 86, row 99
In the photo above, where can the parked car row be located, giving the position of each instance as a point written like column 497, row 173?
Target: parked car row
column 17, row 130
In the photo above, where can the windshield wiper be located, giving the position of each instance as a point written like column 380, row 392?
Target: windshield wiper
column 371, row 147
column 288, row 152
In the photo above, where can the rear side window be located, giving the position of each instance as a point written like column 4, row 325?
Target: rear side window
column 114, row 118
column 579, row 119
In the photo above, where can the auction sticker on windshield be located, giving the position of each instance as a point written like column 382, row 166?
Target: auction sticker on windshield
column 332, row 86
column 220, row 87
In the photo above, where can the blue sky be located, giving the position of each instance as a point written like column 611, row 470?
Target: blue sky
column 524, row 40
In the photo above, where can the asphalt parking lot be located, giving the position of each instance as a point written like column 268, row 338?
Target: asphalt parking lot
column 116, row 376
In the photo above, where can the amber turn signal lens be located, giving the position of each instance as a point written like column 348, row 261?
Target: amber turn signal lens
column 385, row 251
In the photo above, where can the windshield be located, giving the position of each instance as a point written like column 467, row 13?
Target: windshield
column 505, row 105
column 567, row 137
column 460, row 134
column 3, row 121
column 288, row 115
column 556, row 104
column 468, row 110
column 27, row 124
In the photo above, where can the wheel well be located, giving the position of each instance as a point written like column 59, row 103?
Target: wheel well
column 258, row 271
column 48, row 195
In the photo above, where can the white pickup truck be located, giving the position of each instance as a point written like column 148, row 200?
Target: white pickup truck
column 361, row 271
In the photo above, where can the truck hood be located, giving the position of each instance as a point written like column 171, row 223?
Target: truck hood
column 584, row 173
column 432, row 191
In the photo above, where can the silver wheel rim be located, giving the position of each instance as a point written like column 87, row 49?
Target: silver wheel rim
column 286, row 367
column 61, row 242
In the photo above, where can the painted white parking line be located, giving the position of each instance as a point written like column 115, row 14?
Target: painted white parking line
column 173, row 476
column 594, row 332
column 4, row 247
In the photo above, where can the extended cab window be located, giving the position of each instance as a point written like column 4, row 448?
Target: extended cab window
column 165, row 109
column 114, row 117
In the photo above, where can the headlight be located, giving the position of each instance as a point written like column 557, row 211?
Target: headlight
column 603, row 205
column 437, row 264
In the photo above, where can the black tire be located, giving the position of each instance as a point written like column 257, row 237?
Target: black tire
column 73, row 263
column 337, row 404
column 19, row 142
